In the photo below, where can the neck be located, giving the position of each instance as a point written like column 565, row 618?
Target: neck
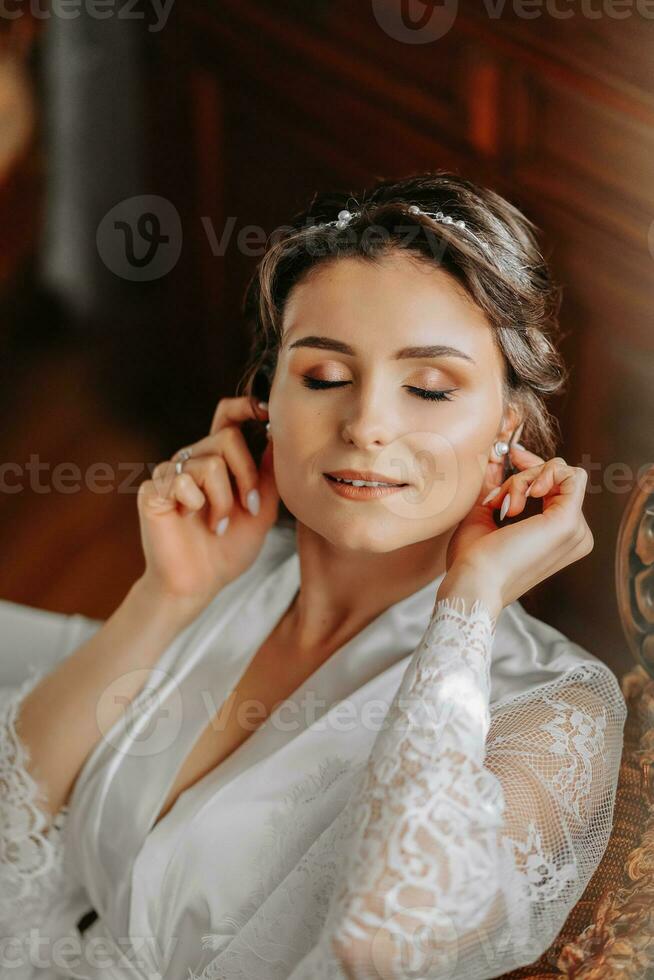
column 342, row 591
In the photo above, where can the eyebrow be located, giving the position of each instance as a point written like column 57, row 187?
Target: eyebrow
column 413, row 353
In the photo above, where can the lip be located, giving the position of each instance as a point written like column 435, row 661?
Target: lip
column 361, row 493
column 367, row 475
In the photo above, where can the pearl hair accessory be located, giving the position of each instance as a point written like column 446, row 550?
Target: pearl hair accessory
column 345, row 216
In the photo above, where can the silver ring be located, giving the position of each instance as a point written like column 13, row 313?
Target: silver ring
column 183, row 454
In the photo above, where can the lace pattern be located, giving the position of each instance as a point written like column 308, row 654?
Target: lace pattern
column 31, row 842
column 472, row 836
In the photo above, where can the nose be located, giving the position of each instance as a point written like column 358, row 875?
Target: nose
column 369, row 421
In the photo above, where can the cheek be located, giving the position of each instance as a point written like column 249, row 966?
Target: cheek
column 469, row 441
column 469, row 433
column 447, row 469
column 298, row 437
column 298, row 451
column 450, row 442
column 472, row 420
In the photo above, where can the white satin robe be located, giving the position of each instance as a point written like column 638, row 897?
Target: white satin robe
column 244, row 854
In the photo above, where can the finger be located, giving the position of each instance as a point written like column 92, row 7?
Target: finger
column 517, row 484
column 203, row 447
column 517, row 487
column 229, row 443
column 522, row 456
column 188, row 494
column 163, row 476
column 240, row 462
column 155, row 503
column 549, row 477
column 523, row 459
column 234, row 410
column 494, row 470
column 512, row 497
column 151, row 501
column 563, row 487
column 208, row 474
column 213, row 477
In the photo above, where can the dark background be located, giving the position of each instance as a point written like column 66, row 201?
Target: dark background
column 235, row 113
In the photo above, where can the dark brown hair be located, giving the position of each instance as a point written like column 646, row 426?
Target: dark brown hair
column 509, row 279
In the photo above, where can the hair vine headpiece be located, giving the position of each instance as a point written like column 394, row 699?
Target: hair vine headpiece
column 345, row 216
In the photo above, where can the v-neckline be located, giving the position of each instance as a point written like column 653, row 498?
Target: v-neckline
column 287, row 576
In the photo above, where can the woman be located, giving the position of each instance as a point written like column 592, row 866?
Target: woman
column 349, row 751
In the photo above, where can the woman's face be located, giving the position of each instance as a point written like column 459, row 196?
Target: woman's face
column 354, row 324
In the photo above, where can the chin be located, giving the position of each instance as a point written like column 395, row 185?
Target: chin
column 361, row 534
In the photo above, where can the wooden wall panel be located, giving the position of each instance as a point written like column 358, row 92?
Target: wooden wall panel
column 595, row 158
column 610, row 57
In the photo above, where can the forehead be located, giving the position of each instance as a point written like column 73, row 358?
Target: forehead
column 396, row 300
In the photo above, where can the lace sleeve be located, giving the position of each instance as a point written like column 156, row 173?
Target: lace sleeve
column 33, row 880
column 471, row 837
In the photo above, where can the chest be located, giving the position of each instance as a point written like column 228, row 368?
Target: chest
column 272, row 675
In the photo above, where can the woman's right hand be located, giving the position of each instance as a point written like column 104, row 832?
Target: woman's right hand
column 186, row 558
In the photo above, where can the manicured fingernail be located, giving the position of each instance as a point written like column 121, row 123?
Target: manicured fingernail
column 527, row 490
column 263, row 405
column 221, row 526
column 489, row 496
column 253, row 502
column 506, row 503
column 519, row 445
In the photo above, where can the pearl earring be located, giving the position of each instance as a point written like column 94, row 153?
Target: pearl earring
column 500, row 448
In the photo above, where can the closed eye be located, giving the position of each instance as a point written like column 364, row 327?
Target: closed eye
column 426, row 393
column 431, row 394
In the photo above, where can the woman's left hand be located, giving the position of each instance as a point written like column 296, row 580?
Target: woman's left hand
column 499, row 564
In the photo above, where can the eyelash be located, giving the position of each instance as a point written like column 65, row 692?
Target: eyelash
column 424, row 393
